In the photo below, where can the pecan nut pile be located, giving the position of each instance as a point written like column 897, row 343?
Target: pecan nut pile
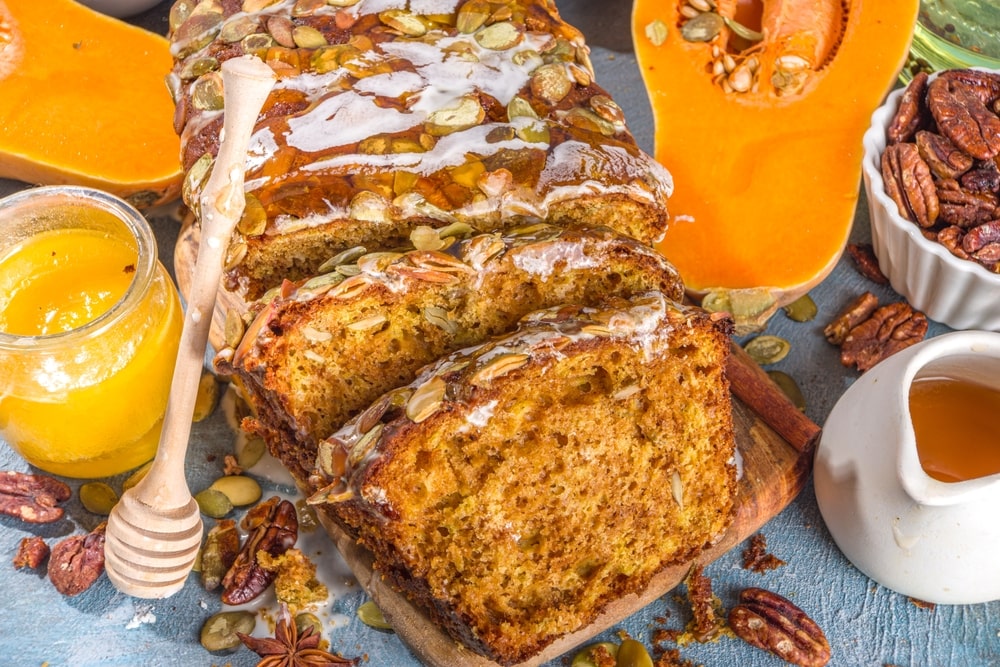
column 942, row 164
column 773, row 623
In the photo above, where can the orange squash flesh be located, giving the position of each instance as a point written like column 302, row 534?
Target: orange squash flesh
column 766, row 181
column 83, row 101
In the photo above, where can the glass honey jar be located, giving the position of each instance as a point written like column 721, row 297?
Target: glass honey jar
column 89, row 327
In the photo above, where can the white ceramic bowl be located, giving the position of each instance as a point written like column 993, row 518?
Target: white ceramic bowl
column 957, row 292
column 120, row 8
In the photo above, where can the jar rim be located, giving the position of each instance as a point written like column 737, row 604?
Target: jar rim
column 145, row 268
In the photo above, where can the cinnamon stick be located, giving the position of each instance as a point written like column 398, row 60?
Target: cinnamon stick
column 751, row 384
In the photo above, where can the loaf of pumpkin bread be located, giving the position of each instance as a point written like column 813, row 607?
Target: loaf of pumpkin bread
column 321, row 352
column 514, row 489
column 389, row 114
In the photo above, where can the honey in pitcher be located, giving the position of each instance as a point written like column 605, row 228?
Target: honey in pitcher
column 956, row 428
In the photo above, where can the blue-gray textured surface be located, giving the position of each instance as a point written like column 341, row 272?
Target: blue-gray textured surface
column 865, row 623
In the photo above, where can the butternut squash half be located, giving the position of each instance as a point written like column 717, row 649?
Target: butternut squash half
column 83, row 101
column 760, row 107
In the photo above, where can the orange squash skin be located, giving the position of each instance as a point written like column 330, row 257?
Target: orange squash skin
column 83, row 101
column 766, row 185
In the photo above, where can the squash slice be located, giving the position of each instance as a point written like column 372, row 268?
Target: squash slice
column 83, row 101
column 760, row 107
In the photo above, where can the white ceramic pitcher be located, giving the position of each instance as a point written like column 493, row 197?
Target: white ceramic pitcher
column 932, row 540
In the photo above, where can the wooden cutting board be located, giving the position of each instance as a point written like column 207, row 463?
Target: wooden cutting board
column 775, row 441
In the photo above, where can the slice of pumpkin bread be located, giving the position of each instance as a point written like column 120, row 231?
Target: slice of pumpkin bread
column 515, row 488
column 321, row 353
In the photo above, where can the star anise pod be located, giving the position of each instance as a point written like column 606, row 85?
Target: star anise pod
column 288, row 648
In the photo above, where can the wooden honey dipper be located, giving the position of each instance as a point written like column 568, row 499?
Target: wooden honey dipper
column 155, row 530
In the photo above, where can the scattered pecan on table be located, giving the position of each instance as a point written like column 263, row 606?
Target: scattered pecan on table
column 867, row 334
column 772, row 623
column 756, row 556
column 272, row 527
column 866, row 262
column 78, row 561
column 32, row 498
column 31, row 552
column 940, row 166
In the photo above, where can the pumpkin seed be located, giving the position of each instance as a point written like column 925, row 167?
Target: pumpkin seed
column 258, row 41
column 235, row 30
column 306, row 515
column 789, row 387
column 239, row 489
column 207, row 398
column 311, row 621
column 348, row 256
column 213, row 503
column 426, row 400
column 467, row 112
column 656, row 32
column 251, row 452
column 743, row 31
column 371, row 615
column 307, row 37
column 499, row 36
column 551, row 82
column 222, row 544
column 254, row 217
column 518, row 106
column 136, row 476
column 802, row 309
column 207, row 92
column 702, row 28
column 439, row 317
column 195, row 67
column 236, row 253
column 498, row 367
column 98, row 497
column 403, row 21
column 234, row 328
column 767, row 349
column 632, row 653
column 584, row 657
column 472, row 15
column 219, row 631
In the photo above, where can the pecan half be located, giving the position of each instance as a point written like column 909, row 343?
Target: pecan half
column 963, row 117
column 909, row 182
column 772, row 623
column 951, row 238
column 910, row 115
column 981, row 236
column 943, row 157
column 78, row 561
column 984, row 178
column 854, row 314
column 962, row 208
column 890, row 329
column 31, row 552
column 985, row 85
column 866, row 263
column 32, row 498
column 272, row 527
